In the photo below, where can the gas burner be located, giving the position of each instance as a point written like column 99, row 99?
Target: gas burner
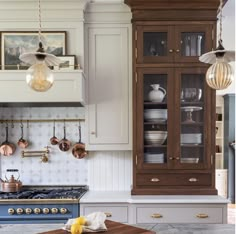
column 49, row 193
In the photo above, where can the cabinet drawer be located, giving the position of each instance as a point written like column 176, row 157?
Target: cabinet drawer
column 174, row 179
column 115, row 213
column 179, row 215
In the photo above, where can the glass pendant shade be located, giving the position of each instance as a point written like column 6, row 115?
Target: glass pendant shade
column 219, row 75
column 39, row 77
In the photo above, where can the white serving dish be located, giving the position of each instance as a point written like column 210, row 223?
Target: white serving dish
column 189, row 160
column 155, row 114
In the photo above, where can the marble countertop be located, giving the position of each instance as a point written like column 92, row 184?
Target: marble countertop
column 126, row 197
column 158, row 228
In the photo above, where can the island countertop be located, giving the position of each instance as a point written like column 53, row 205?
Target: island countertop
column 158, row 228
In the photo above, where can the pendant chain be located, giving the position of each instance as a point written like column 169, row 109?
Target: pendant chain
column 221, row 6
column 40, row 25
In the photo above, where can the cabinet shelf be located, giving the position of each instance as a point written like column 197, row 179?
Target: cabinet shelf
column 192, row 103
column 155, row 123
column 192, row 124
column 147, row 103
column 155, row 146
column 192, row 145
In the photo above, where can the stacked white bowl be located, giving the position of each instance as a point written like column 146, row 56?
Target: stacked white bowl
column 155, row 137
column 153, row 158
column 189, row 160
column 155, row 115
column 191, row 138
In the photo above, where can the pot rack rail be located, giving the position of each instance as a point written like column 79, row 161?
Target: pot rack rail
column 11, row 121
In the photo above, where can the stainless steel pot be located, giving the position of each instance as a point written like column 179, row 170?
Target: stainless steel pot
column 11, row 185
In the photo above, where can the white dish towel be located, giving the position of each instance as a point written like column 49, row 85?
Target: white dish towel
column 95, row 222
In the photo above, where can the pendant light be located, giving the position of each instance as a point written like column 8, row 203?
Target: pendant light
column 220, row 73
column 39, row 76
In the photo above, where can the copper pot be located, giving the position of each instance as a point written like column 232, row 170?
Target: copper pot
column 54, row 140
column 78, row 150
column 11, row 185
column 6, row 147
column 22, row 143
column 64, row 144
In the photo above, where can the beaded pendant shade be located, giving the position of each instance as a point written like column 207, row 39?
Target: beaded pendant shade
column 220, row 73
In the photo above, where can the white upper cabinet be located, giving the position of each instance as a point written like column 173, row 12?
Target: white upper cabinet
column 109, row 95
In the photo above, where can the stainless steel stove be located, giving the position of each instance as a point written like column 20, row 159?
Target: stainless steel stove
column 41, row 204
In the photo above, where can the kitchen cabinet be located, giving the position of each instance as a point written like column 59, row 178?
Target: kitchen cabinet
column 68, row 87
column 109, row 91
column 115, row 212
column 174, row 109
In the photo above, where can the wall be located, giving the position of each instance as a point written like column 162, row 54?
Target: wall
column 62, row 167
column 100, row 170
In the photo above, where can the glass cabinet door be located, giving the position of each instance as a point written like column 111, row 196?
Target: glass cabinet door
column 153, row 44
column 154, row 92
column 192, row 42
column 192, row 101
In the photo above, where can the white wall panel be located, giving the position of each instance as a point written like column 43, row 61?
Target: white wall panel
column 110, row 171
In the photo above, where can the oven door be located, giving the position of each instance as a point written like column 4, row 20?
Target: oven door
column 37, row 213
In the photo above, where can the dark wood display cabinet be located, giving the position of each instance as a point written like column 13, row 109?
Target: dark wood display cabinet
column 173, row 108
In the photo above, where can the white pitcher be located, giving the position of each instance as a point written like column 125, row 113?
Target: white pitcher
column 157, row 94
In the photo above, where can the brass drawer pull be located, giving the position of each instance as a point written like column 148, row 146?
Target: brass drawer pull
column 155, row 180
column 108, row 214
column 156, row 216
column 193, row 180
column 202, row 216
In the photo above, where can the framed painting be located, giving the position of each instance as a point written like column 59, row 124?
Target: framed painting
column 67, row 62
column 13, row 44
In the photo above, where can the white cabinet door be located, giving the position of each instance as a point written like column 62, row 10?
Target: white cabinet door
column 109, row 95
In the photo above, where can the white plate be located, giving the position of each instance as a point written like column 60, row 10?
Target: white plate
column 191, row 108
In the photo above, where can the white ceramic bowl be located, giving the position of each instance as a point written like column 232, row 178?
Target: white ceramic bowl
column 155, row 137
column 155, row 114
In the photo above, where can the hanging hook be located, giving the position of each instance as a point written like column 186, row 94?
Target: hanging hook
column 12, row 123
column 21, row 124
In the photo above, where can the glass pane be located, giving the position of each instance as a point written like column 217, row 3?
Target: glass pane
column 154, row 44
column 155, row 118
column 192, row 118
column 193, row 43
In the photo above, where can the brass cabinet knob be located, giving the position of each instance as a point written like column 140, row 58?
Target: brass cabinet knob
column 202, row 216
column 11, row 211
column 193, row 180
column 37, row 210
column 108, row 214
column 177, row 50
column 54, row 210
column 63, row 210
column 171, row 158
column 155, row 180
column 46, row 210
column 156, row 216
column 28, row 210
column 19, row 211
column 171, row 51
column 177, row 158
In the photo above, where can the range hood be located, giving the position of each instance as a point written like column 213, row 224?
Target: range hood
column 68, row 90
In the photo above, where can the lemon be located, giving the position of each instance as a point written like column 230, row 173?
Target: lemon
column 81, row 220
column 76, row 228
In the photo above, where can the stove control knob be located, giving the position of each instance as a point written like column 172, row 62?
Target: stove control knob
column 46, row 210
column 37, row 210
column 11, row 211
column 63, row 210
column 28, row 210
column 19, row 211
column 54, row 210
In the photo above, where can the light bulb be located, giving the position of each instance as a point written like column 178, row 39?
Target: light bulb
column 219, row 75
column 39, row 77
